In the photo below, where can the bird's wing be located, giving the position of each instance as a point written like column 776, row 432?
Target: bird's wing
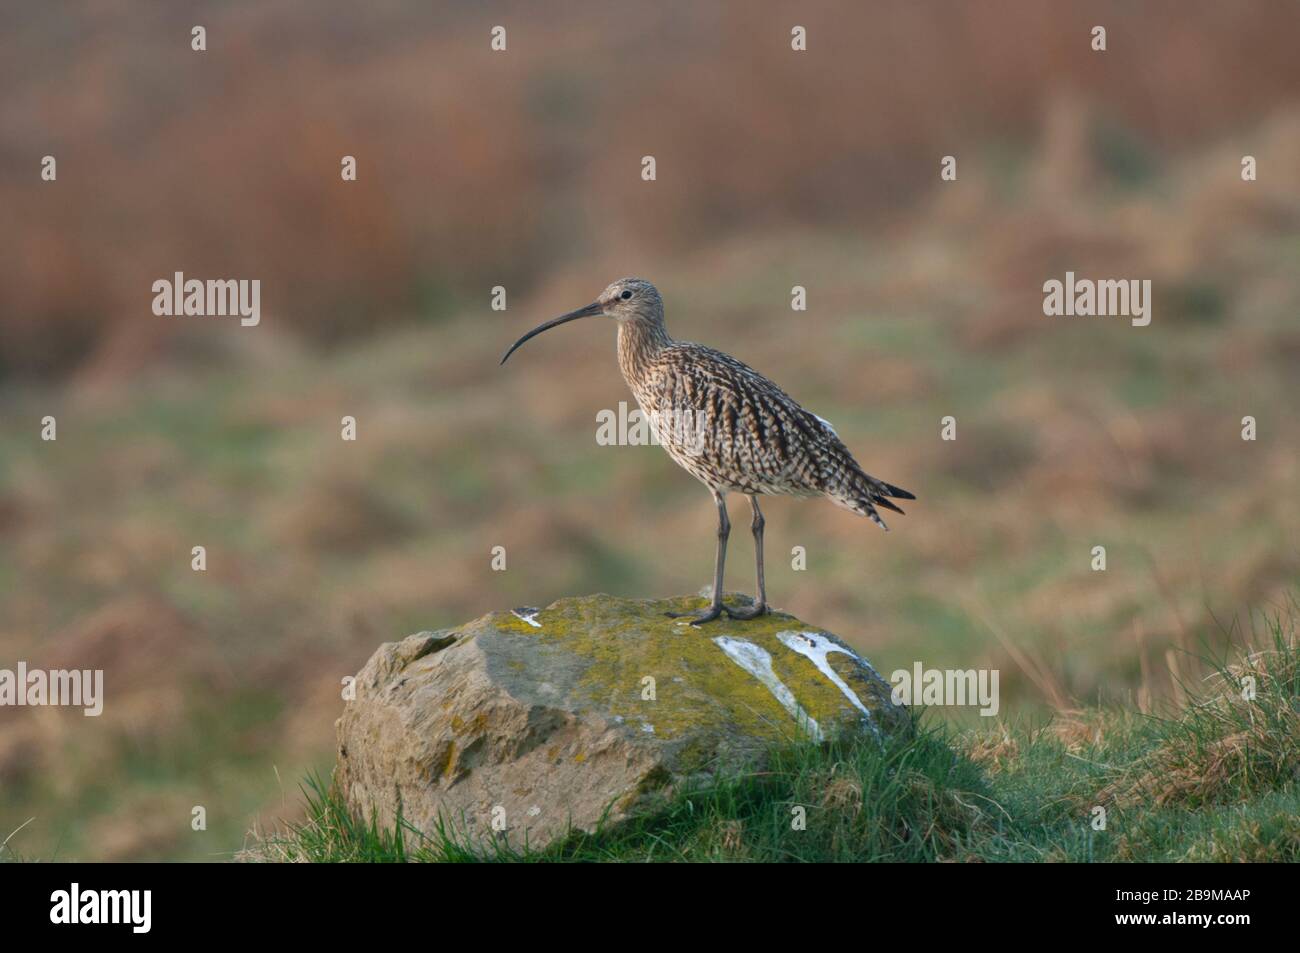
column 736, row 428
column 746, row 429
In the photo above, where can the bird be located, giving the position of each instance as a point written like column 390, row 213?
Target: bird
column 727, row 425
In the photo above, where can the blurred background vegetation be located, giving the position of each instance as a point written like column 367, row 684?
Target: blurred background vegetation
column 523, row 169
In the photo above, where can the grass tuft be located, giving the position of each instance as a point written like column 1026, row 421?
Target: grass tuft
column 1236, row 739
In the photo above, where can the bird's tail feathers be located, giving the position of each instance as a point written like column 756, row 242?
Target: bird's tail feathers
column 866, row 493
column 888, row 489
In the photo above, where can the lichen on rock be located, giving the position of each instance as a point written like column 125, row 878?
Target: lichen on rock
column 524, row 724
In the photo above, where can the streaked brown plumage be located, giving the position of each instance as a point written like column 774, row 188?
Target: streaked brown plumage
column 728, row 426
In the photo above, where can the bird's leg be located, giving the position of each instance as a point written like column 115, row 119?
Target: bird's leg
column 715, row 608
column 760, row 604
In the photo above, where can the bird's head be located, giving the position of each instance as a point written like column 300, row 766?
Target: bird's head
column 628, row 299
column 631, row 299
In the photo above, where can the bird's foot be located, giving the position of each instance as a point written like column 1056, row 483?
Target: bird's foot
column 744, row 615
column 708, row 615
column 717, row 611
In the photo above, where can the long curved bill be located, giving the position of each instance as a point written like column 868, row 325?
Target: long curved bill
column 589, row 311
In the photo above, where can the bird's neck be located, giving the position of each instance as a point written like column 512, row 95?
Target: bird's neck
column 639, row 341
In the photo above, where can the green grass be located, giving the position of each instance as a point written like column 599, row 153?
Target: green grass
column 1216, row 780
column 912, row 800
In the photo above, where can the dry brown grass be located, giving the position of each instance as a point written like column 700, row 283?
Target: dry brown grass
column 472, row 165
column 843, row 794
column 993, row 749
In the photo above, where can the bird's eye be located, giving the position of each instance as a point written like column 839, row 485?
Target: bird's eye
column 626, row 295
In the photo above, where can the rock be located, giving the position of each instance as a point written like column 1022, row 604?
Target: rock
column 593, row 707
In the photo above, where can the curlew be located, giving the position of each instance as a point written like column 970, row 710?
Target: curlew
column 728, row 426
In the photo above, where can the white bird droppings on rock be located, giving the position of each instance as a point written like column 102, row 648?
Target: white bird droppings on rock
column 528, row 614
column 758, row 663
column 815, row 647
